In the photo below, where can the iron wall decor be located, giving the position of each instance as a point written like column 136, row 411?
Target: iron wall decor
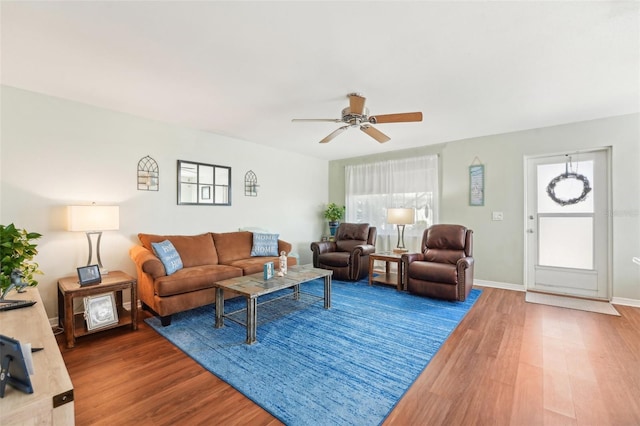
column 148, row 174
column 203, row 184
column 250, row 184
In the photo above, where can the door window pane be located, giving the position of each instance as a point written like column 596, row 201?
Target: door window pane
column 565, row 242
column 565, row 189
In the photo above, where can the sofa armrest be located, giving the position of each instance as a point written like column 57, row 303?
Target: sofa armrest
column 284, row 246
column 146, row 261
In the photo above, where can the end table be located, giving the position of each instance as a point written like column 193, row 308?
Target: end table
column 386, row 276
column 74, row 324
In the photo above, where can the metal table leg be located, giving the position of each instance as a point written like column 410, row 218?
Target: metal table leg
column 219, row 307
column 252, row 319
column 327, row 291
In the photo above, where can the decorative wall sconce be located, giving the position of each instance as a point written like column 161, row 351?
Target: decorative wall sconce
column 251, row 184
column 148, row 174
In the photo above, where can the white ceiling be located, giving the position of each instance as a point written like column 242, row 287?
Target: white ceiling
column 245, row 69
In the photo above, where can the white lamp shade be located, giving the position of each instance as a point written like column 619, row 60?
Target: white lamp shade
column 93, row 218
column 401, row 216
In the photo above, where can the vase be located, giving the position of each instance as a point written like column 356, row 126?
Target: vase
column 333, row 226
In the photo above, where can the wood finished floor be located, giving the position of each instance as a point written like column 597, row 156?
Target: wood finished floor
column 507, row 363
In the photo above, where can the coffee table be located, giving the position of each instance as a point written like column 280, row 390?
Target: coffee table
column 254, row 286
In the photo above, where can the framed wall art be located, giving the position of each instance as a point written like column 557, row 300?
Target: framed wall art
column 476, row 185
column 203, row 184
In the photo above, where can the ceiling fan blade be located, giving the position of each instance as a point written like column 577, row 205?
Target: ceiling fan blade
column 396, row 118
column 356, row 103
column 375, row 133
column 332, row 120
column 334, row 134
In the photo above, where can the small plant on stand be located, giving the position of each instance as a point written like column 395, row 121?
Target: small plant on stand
column 334, row 213
column 16, row 254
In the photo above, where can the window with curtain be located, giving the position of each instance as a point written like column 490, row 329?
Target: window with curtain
column 373, row 188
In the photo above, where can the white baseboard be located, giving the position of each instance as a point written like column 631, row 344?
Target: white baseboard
column 626, row 302
column 496, row 284
column 517, row 287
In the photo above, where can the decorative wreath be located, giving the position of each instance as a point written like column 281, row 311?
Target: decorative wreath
column 551, row 188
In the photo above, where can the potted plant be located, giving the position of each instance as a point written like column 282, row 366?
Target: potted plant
column 16, row 258
column 334, row 213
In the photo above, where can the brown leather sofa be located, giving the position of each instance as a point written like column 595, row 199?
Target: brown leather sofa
column 206, row 258
column 348, row 255
column 444, row 268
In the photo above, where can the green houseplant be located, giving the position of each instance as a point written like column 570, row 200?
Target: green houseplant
column 334, row 213
column 17, row 251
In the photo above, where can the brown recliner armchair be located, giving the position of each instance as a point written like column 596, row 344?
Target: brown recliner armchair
column 444, row 268
column 348, row 255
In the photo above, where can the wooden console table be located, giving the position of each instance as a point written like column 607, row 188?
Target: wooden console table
column 74, row 324
column 51, row 402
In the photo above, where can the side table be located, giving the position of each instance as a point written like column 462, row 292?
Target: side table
column 74, row 324
column 386, row 276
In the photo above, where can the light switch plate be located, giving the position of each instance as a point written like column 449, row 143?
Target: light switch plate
column 497, row 216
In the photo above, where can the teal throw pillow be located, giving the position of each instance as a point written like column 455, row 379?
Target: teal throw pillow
column 264, row 244
column 168, row 255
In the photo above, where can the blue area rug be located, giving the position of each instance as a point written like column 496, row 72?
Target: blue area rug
column 348, row 365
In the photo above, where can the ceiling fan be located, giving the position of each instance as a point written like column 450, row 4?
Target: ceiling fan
column 356, row 115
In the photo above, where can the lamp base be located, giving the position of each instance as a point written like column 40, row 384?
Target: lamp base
column 400, row 250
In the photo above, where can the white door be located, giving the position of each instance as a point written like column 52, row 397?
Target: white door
column 567, row 225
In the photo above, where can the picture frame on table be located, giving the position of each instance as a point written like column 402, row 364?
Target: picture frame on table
column 269, row 270
column 88, row 275
column 100, row 311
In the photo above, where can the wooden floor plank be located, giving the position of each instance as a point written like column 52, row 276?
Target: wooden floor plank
column 508, row 363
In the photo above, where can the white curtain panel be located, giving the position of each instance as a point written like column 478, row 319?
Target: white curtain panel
column 373, row 188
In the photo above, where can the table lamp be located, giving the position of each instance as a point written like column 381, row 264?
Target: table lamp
column 93, row 220
column 400, row 217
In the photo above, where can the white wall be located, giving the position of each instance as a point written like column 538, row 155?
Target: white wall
column 499, row 245
column 56, row 153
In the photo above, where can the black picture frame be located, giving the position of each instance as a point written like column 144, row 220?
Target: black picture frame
column 88, row 275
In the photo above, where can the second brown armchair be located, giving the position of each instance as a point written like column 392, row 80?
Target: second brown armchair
column 444, row 267
column 348, row 255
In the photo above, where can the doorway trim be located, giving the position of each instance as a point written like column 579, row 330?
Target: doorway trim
column 609, row 217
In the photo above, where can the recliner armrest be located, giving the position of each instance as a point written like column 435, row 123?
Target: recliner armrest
column 321, row 247
column 412, row 257
column 364, row 249
column 465, row 262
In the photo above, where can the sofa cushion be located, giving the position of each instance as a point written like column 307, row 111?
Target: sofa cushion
column 264, row 244
column 168, row 255
column 192, row 279
column 254, row 265
column 194, row 250
column 233, row 246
